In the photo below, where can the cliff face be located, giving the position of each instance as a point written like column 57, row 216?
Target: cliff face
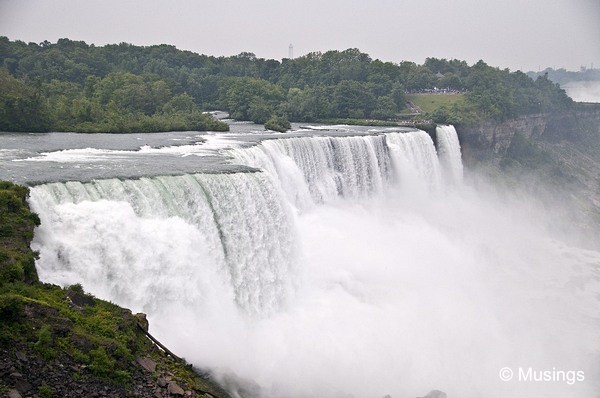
column 554, row 157
column 491, row 140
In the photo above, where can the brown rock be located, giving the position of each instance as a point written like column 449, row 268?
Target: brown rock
column 14, row 394
column 147, row 363
column 174, row 389
column 161, row 381
column 142, row 321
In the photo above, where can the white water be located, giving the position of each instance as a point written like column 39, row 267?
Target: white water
column 449, row 152
column 319, row 169
column 383, row 284
column 155, row 232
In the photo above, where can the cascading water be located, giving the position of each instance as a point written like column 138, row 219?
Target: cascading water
column 321, row 169
column 449, row 152
column 324, row 167
column 400, row 289
column 235, row 224
column 415, row 159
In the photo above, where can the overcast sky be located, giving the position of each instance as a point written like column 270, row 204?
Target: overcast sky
column 515, row 34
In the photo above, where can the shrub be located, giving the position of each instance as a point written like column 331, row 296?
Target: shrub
column 101, row 364
column 11, row 308
column 278, row 123
column 45, row 342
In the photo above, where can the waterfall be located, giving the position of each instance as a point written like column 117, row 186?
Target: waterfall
column 415, row 159
column 449, row 153
column 113, row 233
column 362, row 291
column 322, row 168
column 313, row 170
column 240, row 222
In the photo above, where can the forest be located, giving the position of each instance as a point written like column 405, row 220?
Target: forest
column 74, row 86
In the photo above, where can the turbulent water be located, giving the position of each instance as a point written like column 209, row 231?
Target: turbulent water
column 358, row 265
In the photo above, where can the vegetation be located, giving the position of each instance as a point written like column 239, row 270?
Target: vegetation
column 497, row 95
column 429, row 103
column 17, row 261
column 51, row 325
column 278, row 123
column 70, row 85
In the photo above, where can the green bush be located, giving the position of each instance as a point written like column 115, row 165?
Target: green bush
column 101, row 364
column 11, row 308
column 45, row 343
column 278, row 123
column 7, row 231
column 44, row 391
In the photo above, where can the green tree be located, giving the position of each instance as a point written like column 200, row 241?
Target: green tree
column 21, row 106
column 352, row 99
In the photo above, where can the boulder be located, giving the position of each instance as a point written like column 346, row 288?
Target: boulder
column 147, row 363
column 14, row 394
column 161, row 381
column 80, row 300
column 142, row 321
column 174, row 389
column 23, row 386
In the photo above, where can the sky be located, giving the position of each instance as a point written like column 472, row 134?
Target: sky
column 517, row 34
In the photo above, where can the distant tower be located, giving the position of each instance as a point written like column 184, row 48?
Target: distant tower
column 291, row 54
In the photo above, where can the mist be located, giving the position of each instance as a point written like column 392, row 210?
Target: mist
column 400, row 297
column 413, row 288
column 585, row 91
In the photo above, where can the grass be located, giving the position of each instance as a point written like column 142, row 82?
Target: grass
column 431, row 102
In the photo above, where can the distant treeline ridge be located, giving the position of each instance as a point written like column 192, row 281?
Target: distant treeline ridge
column 72, row 86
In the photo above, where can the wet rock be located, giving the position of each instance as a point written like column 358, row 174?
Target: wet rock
column 147, row 363
column 174, row 389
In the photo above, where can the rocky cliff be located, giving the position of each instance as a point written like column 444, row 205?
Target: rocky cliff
column 554, row 157
column 491, row 140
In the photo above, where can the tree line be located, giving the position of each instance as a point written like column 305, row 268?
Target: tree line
column 72, row 86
